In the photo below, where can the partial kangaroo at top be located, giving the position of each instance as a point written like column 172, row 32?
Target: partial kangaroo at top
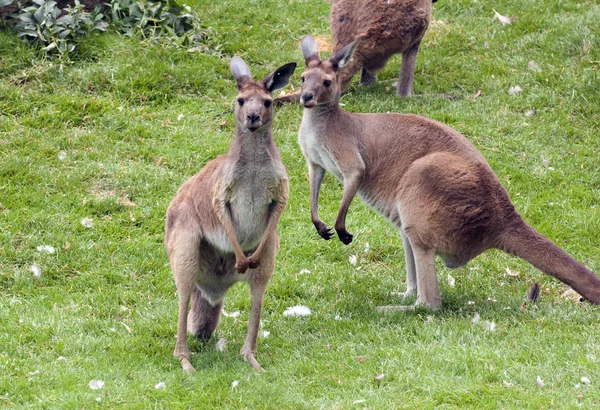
column 424, row 177
column 386, row 28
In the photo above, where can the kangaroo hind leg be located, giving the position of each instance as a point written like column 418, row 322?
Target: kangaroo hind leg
column 258, row 279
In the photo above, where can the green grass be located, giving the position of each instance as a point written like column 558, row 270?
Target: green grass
column 135, row 120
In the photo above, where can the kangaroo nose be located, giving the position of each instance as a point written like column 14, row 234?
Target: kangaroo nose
column 307, row 97
column 253, row 117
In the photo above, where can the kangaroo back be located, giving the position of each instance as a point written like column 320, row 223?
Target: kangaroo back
column 523, row 241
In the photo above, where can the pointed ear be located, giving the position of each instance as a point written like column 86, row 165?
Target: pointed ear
column 310, row 49
column 280, row 77
column 240, row 70
column 343, row 57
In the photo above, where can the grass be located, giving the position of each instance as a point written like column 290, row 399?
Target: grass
column 111, row 135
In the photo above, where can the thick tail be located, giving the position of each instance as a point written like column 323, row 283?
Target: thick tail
column 523, row 241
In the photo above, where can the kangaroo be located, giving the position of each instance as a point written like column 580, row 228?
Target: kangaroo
column 386, row 28
column 223, row 221
column 424, row 177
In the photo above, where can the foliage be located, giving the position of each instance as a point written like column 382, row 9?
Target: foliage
column 44, row 24
column 149, row 19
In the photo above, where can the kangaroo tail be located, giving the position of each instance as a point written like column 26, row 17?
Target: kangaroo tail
column 523, row 241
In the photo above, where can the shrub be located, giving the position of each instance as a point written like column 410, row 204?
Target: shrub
column 44, row 24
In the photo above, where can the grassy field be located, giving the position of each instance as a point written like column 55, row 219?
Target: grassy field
column 111, row 135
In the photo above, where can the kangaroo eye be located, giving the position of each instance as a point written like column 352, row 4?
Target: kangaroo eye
column 268, row 103
column 326, row 83
column 240, row 101
column 302, row 78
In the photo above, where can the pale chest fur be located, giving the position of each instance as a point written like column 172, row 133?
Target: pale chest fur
column 313, row 142
column 250, row 190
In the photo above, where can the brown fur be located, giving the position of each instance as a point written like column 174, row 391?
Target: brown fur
column 223, row 221
column 387, row 27
column 425, row 178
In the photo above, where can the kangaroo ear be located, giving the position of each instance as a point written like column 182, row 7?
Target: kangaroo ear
column 280, row 77
column 343, row 57
column 310, row 49
column 240, row 70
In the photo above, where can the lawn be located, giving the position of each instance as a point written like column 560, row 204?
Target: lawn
column 92, row 151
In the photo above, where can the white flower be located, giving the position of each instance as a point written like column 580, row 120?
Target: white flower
column 96, row 384
column 232, row 314
column 353, row 259
column 87, row 222
column 539, row 382
column 235, row 384
column 502, row 19
column 297, row 311
column 512, row 272
column 62, row 155
column 532, row 65
column 221, row 344
column 367, row 248
column 451, row 281
column 160, row 386
column 46, row 248
column 303, row 271
column 265, row 333
column 514, row 90
column 179, row 117
column 489, row 326
column 585, row 380
column 36, row 270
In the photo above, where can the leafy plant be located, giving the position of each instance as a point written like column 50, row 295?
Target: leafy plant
column 43, row 23
column 148, row 19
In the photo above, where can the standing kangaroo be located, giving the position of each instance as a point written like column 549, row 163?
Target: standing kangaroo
column 425, row 178
column 386, row 28
column 223, row 221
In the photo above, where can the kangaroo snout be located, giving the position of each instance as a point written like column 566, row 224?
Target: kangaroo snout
column 307, row 100
column 253, row 121
column 253, row 117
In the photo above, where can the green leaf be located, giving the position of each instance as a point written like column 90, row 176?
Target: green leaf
column 50, row 46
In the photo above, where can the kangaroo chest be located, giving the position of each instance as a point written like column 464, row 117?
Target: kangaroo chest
column 251, row 195
column 313, row 143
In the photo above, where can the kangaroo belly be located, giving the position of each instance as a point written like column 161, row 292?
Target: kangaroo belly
column 250, row 222
column 385, row 206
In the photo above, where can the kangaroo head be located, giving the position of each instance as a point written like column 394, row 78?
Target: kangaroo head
column 320, row 80
column 254, row 105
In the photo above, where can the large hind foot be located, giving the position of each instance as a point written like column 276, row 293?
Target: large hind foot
column 250, row 357
column 187, row 366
